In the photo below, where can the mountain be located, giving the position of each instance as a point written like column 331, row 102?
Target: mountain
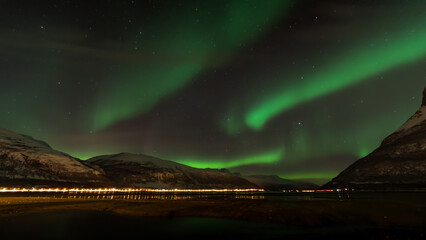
column 140, row 170
column 25, row 161
column 275, row 183
column 398, row 163
column 28, row 162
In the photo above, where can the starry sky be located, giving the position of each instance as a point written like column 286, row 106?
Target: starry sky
column 295, row 88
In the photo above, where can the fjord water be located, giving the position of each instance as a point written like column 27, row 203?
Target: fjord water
column 78, row 224
column 104, row 225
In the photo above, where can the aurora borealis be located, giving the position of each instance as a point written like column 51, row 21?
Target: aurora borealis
column 300, row 89
column 339, row 74
column 183, row 59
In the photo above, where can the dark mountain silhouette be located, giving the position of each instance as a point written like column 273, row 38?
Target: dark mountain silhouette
column 26, row 161
column 138, row 170
column 399, row 162
column 275, row 183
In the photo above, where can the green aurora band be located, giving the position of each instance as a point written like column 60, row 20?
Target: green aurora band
column 345, row 71
column 268, row 157
column 123, row 76
column 187, row 48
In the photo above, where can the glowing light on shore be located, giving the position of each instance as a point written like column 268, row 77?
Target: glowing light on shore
column 319, row 190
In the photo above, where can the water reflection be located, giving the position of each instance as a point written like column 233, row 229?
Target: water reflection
column 209, row 196
column 135, row 196
column 145, row 196
column 106, row 225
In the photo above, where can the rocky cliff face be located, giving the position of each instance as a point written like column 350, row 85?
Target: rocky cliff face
column 26, row 161
column 399, row 162
column 139, row 170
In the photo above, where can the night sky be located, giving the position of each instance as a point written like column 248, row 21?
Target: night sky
column 300, row 89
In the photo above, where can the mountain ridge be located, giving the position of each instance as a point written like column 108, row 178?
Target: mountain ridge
column 398, row 163
column 24, row 159
column 139, row 170
column 28, row 162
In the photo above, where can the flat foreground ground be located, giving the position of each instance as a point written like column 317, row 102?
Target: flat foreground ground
column 314, row 213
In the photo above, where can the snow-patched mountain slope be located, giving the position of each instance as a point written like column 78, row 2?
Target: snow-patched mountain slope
column 411, row 125
column 22, row 157
column 140, row 170
column 139, row 159
column 398, row 163
column 415, row 120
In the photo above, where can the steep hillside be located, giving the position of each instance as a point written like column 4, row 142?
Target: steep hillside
column 29, row 162
column 140, row 170
column 399, row 162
